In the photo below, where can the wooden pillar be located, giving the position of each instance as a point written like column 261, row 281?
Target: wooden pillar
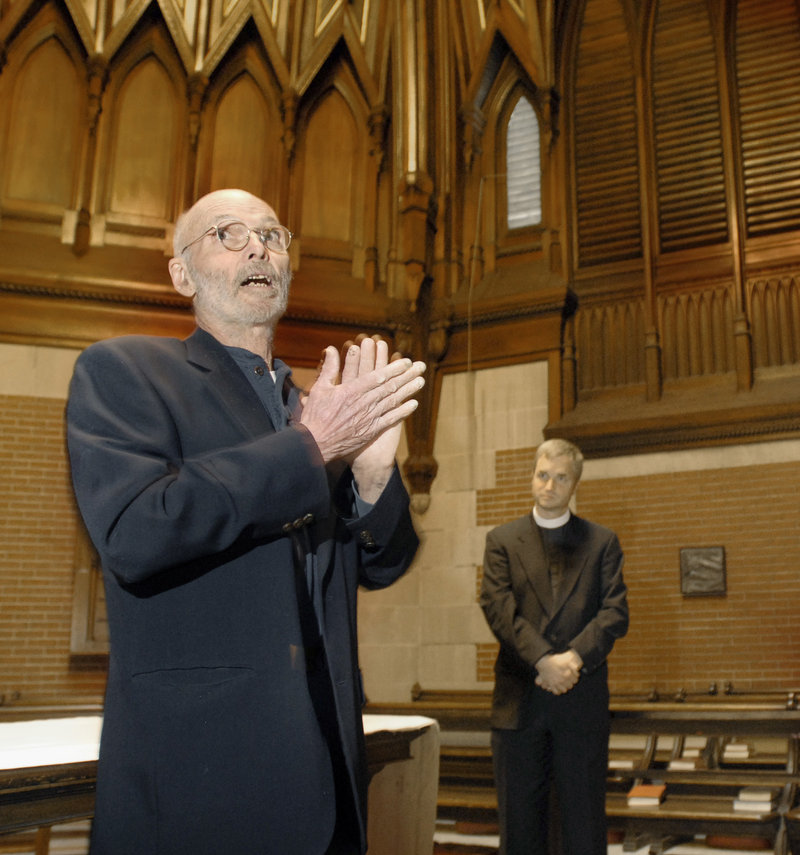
column 289, row 102
column 648, row 201
column 97, row 76
column 42, row 841
column 734, row 188
column 413, row 249
column 195, row 91
column 378, row 119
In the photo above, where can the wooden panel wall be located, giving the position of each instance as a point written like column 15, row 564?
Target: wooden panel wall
column 662, row 287
column 682, row 117
column 670, row 151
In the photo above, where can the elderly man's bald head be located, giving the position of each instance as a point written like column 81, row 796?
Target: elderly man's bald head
column 211, row 209
column 239, row 288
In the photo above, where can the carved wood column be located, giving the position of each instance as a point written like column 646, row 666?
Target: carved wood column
column 569, row 366
column 553, row 168
column 648, row 196
column 416, row 226
column 289, row 102
column 414, row 239
column 97, row 76
column 378, row 120
column 196, row 88
column 734, row 189
column 473, row 123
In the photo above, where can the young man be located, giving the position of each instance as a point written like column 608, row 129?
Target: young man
column 235, row 519
column 554, row 596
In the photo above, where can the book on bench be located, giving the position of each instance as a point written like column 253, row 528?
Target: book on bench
column 691, row 754
column 734, row 751
column 678, row 763
column 757, row 799
column 646, row 795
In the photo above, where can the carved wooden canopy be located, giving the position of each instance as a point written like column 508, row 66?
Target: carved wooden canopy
column 660, row 284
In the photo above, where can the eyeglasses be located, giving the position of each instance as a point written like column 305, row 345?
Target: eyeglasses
column 235, row 236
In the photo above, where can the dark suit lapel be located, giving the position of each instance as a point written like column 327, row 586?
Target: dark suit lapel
column 228, row 384
column 534, row 561
column 576, row 557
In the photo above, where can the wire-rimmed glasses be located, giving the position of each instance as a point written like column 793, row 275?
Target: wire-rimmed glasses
column 235, row 236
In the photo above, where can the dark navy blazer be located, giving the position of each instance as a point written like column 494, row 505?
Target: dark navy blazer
column 198, row 508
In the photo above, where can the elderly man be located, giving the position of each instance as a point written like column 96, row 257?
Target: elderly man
column 554, row 596
column 235, row 519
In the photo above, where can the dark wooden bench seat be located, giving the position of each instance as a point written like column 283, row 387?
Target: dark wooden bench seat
column 681, row 815
column 454, row 709
column 792, row 821
column 474, row 803
column 466, row 764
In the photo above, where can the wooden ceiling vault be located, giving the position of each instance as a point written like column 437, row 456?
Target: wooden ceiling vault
column 661, row 285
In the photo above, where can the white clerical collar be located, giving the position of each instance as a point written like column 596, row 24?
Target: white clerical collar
column 544, row 522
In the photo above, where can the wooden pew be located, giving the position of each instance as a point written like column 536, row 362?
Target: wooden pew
column 700, row 800
column 648, row 734
column 793, row 831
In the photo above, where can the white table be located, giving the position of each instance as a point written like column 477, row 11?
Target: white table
column 401, row 816
column 48, row 769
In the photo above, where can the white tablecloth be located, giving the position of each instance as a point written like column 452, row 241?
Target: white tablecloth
column 49, row 741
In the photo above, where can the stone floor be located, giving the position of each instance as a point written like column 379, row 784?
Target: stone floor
column 452, row 840
column 449, row 840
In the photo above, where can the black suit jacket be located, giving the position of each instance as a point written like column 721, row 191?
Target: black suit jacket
column 204, row 517
column 588, row 614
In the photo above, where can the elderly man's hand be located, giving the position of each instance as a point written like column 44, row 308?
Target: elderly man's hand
column 373, row 465
column 358, row 417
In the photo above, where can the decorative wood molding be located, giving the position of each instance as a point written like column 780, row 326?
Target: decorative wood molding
column 623, row 422
column 667, row 259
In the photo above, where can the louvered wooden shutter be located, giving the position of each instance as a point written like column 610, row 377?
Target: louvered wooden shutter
column 768, row 77
column 606, row 159
column 688, row 139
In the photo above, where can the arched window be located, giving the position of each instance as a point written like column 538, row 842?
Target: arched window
column 523, row 168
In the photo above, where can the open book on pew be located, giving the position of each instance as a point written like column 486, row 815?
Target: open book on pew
column 646, row 795
column 757, row 799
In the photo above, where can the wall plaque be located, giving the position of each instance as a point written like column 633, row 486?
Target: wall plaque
column 703, row 571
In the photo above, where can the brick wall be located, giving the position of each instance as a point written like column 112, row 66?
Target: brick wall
column 37, row 542
column 751, row 635
column 484, row 662
column 511, row 495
